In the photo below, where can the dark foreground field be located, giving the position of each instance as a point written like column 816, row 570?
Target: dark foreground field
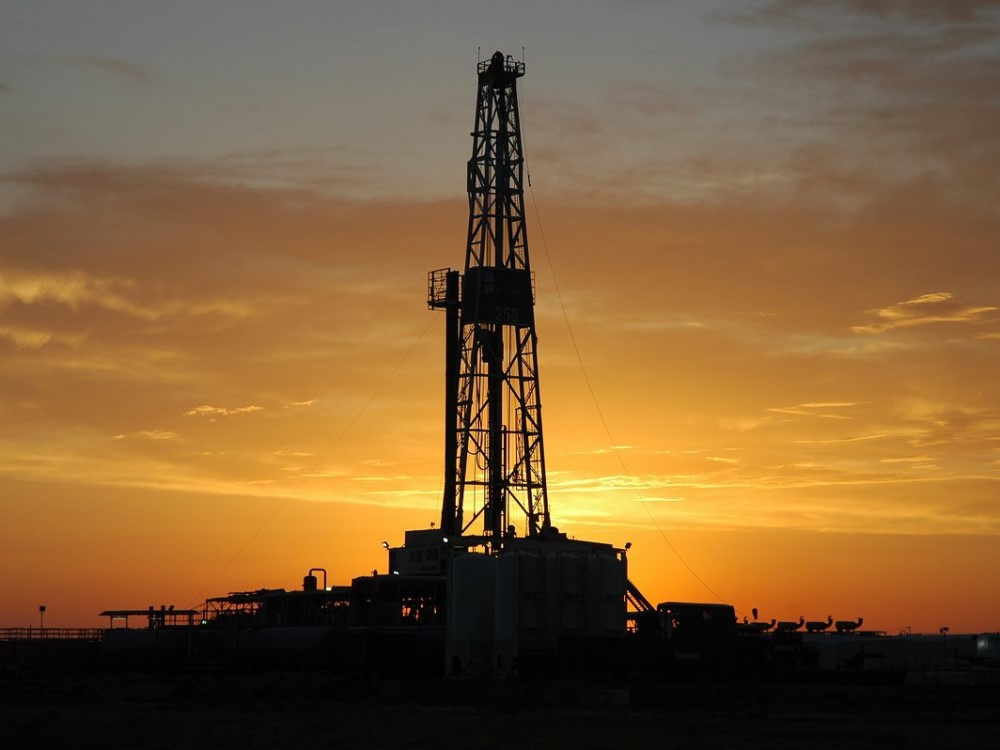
column 317, row 710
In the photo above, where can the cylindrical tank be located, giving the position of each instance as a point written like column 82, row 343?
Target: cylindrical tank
column 606, row 595
column 571, row 599
column 470, row 611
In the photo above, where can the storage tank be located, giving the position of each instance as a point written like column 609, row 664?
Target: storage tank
column 471, row 595
column 605, row 596
column 520, row 605
column 549, row 593
column 572, row 604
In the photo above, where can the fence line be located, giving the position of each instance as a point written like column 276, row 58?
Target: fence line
column 50, row 634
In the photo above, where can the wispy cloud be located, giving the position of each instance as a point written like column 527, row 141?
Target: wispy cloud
column 221, row 411
column 71, row 288
column 876, row 86
column 929, row 11
column 149, row 435
column 119, row 69
column 34, row 338
column 612, row 449
column 936, row 307
column 76, row 289
column 815, row 409
column 907, row 460
column 835, row 441
column 723, row 460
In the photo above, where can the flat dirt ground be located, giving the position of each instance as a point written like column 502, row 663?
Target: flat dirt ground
column 319, row 710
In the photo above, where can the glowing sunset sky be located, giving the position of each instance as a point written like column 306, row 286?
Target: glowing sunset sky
column 766, row 239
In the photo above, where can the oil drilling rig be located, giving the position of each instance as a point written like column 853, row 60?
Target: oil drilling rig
column 495, row 588
column 494, row 453
column 516, row 586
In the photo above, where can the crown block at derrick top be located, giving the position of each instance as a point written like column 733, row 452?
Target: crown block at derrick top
column 500, row 70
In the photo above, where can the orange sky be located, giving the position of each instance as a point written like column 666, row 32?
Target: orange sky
column 768, row 315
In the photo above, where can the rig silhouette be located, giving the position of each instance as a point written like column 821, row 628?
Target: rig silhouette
column 496, row 588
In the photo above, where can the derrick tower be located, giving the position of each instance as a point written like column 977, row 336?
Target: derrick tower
column 494, row 459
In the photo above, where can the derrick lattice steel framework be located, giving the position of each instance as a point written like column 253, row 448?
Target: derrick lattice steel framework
column 494, row 459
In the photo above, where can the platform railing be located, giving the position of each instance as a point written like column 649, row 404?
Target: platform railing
column 50, row 634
